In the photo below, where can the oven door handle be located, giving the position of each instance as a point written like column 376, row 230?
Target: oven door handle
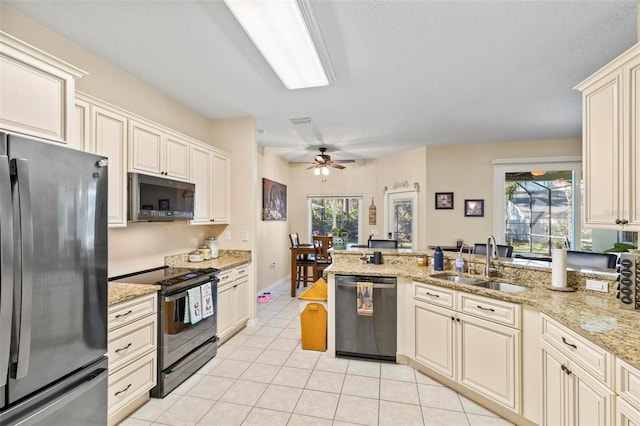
column 175, row 297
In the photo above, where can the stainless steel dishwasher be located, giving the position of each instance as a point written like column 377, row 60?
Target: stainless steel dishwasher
column 374, row 336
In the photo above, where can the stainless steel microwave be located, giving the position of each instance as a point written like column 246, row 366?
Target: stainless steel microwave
column 156, row 199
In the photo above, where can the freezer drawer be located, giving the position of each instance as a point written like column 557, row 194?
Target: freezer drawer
column 78, row 400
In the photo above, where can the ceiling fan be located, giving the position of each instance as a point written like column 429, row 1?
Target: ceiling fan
column 322, row 161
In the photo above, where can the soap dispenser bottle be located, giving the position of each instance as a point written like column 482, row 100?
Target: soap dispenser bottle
column 459, row 263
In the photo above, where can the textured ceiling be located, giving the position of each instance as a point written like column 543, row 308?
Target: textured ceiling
column 408, row 73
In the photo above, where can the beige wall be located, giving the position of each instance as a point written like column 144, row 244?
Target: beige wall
column 467, row 171
column 367, row 178
column 272, row 237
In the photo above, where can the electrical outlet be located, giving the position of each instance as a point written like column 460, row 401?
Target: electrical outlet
column 596, row 285
column 245, row 235
column 227, row 235
column 272, row 265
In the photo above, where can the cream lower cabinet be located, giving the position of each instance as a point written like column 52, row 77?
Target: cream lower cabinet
column 233, row 293
column 628, row 394
column 132, row 342
column 571, row 396
column 577, row 378
column 479, row 353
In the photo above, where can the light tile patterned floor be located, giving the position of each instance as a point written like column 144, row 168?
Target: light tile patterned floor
column 262, row 376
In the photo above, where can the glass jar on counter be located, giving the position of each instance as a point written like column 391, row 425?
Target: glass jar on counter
column 212, row 243
column 205, row 251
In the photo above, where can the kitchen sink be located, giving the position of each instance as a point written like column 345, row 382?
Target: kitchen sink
column 505, row 287
column 458, row 279
column 492, row 285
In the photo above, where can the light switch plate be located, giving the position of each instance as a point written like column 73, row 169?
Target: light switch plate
column 245, row 235
column 227, row 235
column 596, row 285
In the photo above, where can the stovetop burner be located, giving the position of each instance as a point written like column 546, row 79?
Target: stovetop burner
column 165, row 276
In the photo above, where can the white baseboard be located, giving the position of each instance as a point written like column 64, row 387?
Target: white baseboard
column 284, row 280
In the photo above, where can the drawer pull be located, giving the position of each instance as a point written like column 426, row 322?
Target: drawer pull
column 123, row 348
column 565, row 369
column 125, row 314
column 568, row 344
column 486, row 309
column 224, row 278
column 433, row 295
column 123, row 390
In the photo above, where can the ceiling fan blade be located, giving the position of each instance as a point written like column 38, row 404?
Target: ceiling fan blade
column 320, row 159
column 343, row 161
column 335, row 166
column 314, row 166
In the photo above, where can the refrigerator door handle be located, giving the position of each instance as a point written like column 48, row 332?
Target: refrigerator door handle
column 6, row 268
column 21, row 169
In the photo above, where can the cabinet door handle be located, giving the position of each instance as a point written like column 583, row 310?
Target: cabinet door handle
column 618, row 222
column 125, row 314
column 124, row 348
column 453, row 319
column 568, row 344
column 625, row 221
column 212, row 220
column 563, row 367
column 432, row 295
column 486, row 309
column 123, row 390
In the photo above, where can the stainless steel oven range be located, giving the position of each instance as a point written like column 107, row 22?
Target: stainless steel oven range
column 183, row 347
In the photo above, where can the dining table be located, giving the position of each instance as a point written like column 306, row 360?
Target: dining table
column 302, row 250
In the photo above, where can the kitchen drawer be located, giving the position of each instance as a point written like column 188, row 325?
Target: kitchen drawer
column 491, row 309
column 131, row 381
column 440, row 296
column 628, row 383
column 226, row 276
column 127, row 312
column 131, row 341
column 241, row 271
column 589, row 356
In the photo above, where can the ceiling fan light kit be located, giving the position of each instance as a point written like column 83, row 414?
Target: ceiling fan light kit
column 288, row 36
column 323, row 161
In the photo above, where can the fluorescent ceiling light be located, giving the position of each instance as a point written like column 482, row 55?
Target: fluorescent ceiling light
column 288, row 36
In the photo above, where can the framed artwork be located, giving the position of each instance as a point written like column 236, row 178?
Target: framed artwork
column 274, row 200
column 474, row 208
column 444, row 200
column 164, row 204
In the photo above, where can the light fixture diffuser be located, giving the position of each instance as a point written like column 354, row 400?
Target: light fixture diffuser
column 287, row 34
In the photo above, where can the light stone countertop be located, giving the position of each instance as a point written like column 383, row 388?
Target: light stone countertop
column 121, row 292
column 227, row 259
column 596, row 316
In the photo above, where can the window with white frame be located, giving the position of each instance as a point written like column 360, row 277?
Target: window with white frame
column 337, row 211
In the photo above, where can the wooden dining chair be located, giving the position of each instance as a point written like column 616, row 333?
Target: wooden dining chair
column 303, row 264
column 323, row 256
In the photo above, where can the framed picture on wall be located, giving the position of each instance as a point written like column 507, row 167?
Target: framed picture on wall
column 274, row 200
column 474, row 208
column 444, row 200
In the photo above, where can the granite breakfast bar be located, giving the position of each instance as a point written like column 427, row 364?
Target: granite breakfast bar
column 596, row 317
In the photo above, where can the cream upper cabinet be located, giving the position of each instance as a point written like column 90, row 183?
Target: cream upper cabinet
column 109, row 138
column 221, row 187
column 36, row 91
column 154, row 152
column 201, row 173
column 611, row 147
column 80, row 134
column 210, row 173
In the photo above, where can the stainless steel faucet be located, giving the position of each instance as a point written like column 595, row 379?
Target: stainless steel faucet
column 492, row 254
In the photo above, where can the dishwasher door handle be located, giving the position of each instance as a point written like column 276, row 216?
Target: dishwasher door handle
column 375, row 285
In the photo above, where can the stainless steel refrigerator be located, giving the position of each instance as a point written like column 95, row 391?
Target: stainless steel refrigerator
column 53, row 284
